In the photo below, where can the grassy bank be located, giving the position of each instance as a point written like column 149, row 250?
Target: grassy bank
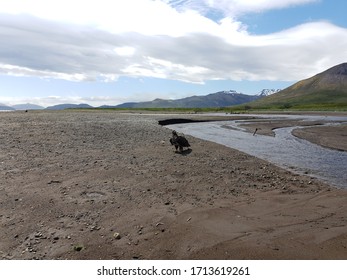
column 239, row 109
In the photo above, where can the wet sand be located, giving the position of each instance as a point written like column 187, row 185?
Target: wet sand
column 107, row 185
column 333, row 137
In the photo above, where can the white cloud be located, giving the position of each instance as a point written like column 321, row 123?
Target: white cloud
column 125, row 51
column 104, row 39
column 234, row 8
column 146, row 17
column 24, row 71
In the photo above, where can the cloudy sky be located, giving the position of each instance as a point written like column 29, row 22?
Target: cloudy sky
column 113, row 51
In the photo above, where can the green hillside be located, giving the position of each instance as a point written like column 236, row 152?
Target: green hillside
column 324, row 91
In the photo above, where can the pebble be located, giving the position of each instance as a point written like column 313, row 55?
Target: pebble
column 116, row 235
column 38, row 235
column 54, row 182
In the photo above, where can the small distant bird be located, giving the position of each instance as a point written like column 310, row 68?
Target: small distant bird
column 179, row 141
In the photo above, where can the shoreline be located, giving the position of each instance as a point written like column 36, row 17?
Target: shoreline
column 316, row 131
column 110, row 186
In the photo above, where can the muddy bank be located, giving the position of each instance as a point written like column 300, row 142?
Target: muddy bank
column 333, row 137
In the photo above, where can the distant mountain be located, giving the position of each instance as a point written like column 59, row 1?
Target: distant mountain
column 123, row 105
column 218, row 99
column 324, row 90
column 69, row 106
column 4, row 107
column 27, row 106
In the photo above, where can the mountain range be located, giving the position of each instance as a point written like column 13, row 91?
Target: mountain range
column 69, row 106
column 218, row 99
column 26, row 106
column 3, row 107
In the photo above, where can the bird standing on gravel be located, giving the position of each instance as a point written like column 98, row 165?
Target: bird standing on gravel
column 179, row 141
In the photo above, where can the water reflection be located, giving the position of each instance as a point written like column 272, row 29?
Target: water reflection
column 284, row 149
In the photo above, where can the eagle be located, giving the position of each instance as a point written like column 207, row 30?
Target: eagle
column 179, row 141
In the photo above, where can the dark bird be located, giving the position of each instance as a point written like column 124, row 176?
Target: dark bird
column 173, row 142
column 179, row 141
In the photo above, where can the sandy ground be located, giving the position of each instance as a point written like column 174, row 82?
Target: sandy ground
column 105, row 185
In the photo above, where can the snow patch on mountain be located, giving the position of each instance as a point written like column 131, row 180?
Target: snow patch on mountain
column 267, row 92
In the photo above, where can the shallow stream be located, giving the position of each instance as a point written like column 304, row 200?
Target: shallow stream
column 284, row 150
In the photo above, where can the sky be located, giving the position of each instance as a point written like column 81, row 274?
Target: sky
column 114, row 51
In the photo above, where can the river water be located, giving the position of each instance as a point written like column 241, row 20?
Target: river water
column 284, row 150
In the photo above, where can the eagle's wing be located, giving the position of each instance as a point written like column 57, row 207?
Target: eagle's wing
column 182, row 141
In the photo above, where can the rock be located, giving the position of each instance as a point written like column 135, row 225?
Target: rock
column 38, row 235
column 54, row 182
column 116, row 235
column 78, row 248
